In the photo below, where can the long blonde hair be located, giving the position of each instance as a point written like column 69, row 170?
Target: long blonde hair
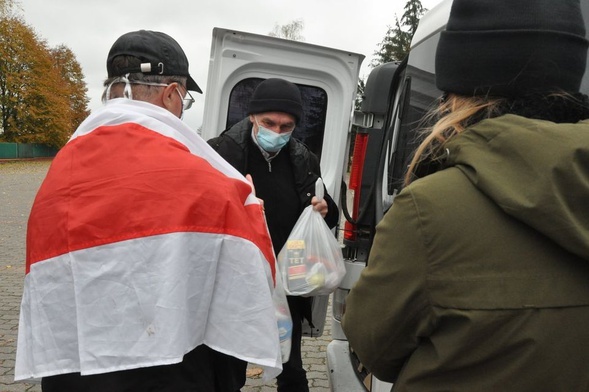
column 454, row 114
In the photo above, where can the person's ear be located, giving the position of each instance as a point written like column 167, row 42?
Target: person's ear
column 254, row 124
column 170, row 99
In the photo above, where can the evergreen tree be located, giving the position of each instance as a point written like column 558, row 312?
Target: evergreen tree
column 395, row 45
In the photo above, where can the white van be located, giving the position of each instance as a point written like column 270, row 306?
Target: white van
column 396, row 97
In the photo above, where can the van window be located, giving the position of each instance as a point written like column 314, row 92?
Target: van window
column 312, row 127
column 420, row 95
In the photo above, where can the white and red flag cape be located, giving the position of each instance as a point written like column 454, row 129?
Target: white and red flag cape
column 142, row 244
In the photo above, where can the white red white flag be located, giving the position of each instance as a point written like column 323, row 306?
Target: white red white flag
column 142, row 244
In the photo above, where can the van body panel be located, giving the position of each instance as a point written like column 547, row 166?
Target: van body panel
column 339, row 368
column 399, row 94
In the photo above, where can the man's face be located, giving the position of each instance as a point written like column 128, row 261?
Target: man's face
column 277, row 122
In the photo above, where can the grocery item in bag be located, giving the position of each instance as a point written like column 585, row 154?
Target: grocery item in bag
column 283, row 318
column 311, row 261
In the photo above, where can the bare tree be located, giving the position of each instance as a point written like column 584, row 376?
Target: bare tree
column 290, row 30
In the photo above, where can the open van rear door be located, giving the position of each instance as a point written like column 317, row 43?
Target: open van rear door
column 327, row 78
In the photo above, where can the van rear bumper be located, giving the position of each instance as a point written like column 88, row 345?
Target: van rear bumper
column 342, row 377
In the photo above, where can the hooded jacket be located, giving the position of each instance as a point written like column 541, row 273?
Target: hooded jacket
column 478, row 276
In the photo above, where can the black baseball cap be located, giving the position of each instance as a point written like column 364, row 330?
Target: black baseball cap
column 159, row 53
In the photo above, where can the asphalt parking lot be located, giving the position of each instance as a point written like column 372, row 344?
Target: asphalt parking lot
column 19, row 181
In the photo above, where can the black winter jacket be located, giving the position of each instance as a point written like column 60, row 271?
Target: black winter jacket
column 232, row 145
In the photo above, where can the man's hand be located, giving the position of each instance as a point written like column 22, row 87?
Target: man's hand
column 320, row 206
column 249, row 179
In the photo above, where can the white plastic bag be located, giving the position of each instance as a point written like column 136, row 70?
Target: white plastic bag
column 283, row 318
column 311, row 261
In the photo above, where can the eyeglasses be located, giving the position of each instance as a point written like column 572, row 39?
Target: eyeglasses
column 187, row 100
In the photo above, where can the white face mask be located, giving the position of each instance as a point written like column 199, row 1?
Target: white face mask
column 269, row 140
column 183, row 105
column 128, row 92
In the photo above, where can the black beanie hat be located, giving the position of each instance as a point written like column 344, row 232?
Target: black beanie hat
column 510, row 48
column 277, row 95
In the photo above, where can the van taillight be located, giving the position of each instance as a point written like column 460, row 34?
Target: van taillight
column 358, row 157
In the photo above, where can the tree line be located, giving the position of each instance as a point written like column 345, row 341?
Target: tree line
column 43, row 96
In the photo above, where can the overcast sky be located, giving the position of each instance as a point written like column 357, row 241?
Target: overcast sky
column 89, row 28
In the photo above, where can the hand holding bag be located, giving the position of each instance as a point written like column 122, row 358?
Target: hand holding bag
column 311, row 261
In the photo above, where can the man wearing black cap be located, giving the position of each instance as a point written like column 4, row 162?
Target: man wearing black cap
column 152, row 63
column 477, row 278
column 284, row 173
column 131, row 265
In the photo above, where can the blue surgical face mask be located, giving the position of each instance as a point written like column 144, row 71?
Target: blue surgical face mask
column 271, row 141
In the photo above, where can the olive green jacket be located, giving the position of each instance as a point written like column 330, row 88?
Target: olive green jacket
column 478, row 279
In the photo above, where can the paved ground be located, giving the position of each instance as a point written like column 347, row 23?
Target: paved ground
column 19, row 182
